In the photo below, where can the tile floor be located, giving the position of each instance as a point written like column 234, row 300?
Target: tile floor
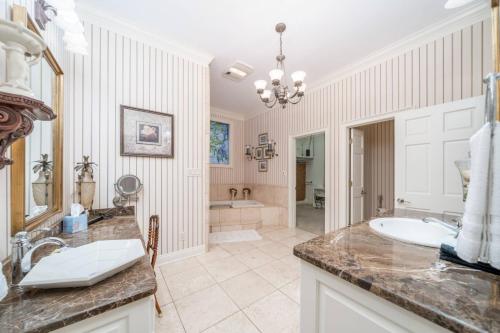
column 245, row 287
column 311, row 219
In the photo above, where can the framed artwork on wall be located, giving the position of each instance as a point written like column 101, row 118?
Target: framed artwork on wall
column 262, row 165
column 259, row 153
column 263, row 139
column 220, row 143
column 146, row 133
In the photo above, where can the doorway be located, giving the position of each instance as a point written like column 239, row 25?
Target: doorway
column 310, row 194
column 371, row 170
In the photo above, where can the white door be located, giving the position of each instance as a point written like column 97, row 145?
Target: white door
column 357, row 175
column 427, row 143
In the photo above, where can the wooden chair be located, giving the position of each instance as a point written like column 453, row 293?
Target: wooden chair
column 154, row 230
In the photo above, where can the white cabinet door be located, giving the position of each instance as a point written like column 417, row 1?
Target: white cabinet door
column 357, row 175
column 427, row 142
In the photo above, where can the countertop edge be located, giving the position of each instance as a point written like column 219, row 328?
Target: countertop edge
column 425, row 312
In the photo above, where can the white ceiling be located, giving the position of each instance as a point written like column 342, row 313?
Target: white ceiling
column 322, row 36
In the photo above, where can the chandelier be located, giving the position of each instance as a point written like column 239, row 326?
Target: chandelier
column 280, row 91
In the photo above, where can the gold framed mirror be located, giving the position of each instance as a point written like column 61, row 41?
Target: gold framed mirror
column 36, row 176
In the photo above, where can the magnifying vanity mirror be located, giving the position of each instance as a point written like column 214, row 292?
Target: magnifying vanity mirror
column 36, row 177
column 127, row 187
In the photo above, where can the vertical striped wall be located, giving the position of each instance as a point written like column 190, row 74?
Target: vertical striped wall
column 121, row 70
column 446, row 69
column 378, row 166
column 235, row 173
column 53, row 38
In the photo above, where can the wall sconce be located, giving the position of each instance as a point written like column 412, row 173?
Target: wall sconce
column 249, row 152
column 44, row 13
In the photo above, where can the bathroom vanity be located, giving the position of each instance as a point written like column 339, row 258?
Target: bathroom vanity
column 355, row 280
column 121, row 303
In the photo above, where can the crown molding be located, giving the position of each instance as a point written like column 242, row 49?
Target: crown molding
column 217, row 112
column 471, row 15
column 110, row 21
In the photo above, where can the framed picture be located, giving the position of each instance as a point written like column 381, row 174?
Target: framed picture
column 146, row 133
column 259, row 153
column 267, row 154
column 262, row 165
column 263, row 139
column 220, row 143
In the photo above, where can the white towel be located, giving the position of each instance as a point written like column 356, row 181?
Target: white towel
column 469, row 240
column 494, row 206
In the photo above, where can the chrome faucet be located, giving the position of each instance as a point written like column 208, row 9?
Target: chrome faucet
column 22, row 252
column 455, row 229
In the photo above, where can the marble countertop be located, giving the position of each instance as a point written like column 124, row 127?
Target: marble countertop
column 46, row 310
column 455, row 297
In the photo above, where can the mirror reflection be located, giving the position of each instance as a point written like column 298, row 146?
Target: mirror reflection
column 39, row 148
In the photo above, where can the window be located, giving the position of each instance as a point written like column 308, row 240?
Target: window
column 220, row 146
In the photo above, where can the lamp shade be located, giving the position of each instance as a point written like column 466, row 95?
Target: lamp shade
column 276, row 74
column 260, row 84
column 298, row 76
column 266, row 94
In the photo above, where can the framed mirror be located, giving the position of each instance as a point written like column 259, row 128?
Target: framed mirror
column 36, row 177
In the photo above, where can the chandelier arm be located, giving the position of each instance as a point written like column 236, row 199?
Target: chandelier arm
column 271, row 105
column 296, row 101
column 294, row 94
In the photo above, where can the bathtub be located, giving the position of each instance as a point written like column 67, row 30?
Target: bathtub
column 235, row 204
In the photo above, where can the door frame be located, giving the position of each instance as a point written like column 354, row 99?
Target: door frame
column 345, row 154
column 292, row 159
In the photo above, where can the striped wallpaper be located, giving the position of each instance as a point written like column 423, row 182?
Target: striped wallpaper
column 123, row 70
column 446, row 69
column 53, row 38
column 378, row 166
column 234, row 174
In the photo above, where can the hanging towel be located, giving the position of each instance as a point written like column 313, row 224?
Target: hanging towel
column 474, row 219
column 494, row 206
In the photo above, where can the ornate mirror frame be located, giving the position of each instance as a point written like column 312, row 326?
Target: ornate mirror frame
column 17, row 176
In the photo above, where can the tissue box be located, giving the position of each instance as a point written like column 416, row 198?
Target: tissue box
column 72, row 224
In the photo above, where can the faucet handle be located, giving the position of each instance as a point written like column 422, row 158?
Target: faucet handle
column 20, row 238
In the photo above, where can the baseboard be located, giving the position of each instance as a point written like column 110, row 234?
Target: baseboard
column 181, row 254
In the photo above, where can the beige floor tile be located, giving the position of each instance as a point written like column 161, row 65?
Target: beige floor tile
column 305, row 235
column 292, row 290
column 291, row 241
column 225, row 268
column 213, row 254
column 188, row 282
column 169, row 322
column 162, row 293
column 268, row 228
column 237, row 323
column 280, row 234
column 204, row 309
column 179, row 266
column 278, row 273
column 275, row 313
column 276, row 250
column 292, row 261
column 247, row 288
column 254, row 258
column 237, row 247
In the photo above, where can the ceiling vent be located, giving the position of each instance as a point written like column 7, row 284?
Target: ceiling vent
column 237, row 71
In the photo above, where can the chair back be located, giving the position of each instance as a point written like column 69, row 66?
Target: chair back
column 152, row 245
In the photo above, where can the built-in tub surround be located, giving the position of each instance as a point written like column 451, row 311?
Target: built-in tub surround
column 455, row 297
column 47, row 310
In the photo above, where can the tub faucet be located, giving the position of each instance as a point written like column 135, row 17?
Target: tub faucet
column 246, row 193
column 233, row 193
column 22, row 252
column 455, row 229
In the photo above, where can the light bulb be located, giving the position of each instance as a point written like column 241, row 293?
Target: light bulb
column 260, row 85
column 276, row 75
column 298, row 77
column 266, row 94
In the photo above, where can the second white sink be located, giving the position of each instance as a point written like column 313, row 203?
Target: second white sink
column 84, row 265
column 412, row 231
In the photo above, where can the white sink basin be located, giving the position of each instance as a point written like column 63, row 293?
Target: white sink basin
column 412, row 231
column 84, row 265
